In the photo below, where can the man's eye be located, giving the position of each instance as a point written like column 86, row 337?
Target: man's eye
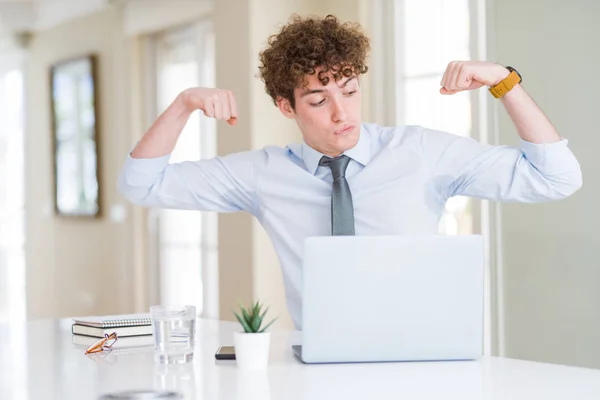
column 351, row 93
column 318, row 104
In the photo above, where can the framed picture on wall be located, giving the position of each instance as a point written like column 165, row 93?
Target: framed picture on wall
column 74, row 102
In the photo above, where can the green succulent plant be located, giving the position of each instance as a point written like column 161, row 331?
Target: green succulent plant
column 252, row 318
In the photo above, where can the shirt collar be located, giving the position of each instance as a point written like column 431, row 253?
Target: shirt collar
column 360, row 153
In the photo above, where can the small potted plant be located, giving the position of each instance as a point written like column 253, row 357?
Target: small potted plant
column 252, row 345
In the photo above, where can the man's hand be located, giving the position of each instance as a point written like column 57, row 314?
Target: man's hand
column 470, row 75
column 214, row 103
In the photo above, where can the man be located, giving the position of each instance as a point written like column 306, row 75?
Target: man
column 347, row 177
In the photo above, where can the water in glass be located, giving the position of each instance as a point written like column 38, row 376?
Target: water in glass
column 174, row 333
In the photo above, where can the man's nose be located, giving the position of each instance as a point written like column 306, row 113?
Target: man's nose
column 339, row 113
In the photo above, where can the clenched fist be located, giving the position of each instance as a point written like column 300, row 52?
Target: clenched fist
column 469, row 75
column 214, row 103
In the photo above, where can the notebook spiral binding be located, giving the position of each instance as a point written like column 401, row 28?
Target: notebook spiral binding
column 112, row 323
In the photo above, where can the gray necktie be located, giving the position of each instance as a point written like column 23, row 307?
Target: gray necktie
column 342, row 210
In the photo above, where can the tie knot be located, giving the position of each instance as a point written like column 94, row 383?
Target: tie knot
column 338, row 165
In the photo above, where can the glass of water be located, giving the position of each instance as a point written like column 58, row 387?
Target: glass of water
column 174, row 331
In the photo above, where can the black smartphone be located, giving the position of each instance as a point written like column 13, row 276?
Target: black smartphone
column 225, row 353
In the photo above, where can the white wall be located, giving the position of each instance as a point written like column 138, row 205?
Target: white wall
column 551, row 272
column 232, row 44
column 77, row 266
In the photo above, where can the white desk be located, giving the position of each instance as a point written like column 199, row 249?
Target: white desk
column 39, row 361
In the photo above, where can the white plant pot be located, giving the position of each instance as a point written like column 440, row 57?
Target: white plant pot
column 252, row 349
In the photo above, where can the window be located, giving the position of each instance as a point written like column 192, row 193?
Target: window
column 433, row 33
column 12, row 200
column 187, row 247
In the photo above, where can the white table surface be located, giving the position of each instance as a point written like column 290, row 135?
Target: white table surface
column 38, row 360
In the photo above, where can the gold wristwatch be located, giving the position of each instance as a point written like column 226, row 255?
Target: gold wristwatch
column 505, row 85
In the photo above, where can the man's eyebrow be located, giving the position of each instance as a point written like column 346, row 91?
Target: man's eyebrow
column 343, row 85
column 312, row 91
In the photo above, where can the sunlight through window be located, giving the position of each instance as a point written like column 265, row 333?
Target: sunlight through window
column 434, row 33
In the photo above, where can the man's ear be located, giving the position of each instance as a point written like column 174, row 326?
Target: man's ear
column 285, row 107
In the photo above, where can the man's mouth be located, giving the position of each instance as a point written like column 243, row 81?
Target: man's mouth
column 344, row 130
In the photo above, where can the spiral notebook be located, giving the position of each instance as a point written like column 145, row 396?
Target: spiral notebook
column 114, row 321
column 123, row 325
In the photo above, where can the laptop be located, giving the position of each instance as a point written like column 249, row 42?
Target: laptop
column 392, row 298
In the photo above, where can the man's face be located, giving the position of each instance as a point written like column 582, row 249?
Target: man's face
column 329, row 116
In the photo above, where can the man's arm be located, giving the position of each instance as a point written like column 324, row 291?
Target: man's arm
column 162, row 136
column 531, row 123
column 542, row 169
column 222, row 184
column 462, row 166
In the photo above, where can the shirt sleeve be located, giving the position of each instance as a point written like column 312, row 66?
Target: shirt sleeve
column 224, row 184
column 530, row 173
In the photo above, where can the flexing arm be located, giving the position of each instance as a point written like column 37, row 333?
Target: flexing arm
column 531, row 123
column 222, row 184
column 162, row 136
column 542, row 169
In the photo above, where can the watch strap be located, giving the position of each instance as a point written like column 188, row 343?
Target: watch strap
column 505, row 85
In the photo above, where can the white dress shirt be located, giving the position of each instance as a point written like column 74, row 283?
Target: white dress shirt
column 400, row 178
